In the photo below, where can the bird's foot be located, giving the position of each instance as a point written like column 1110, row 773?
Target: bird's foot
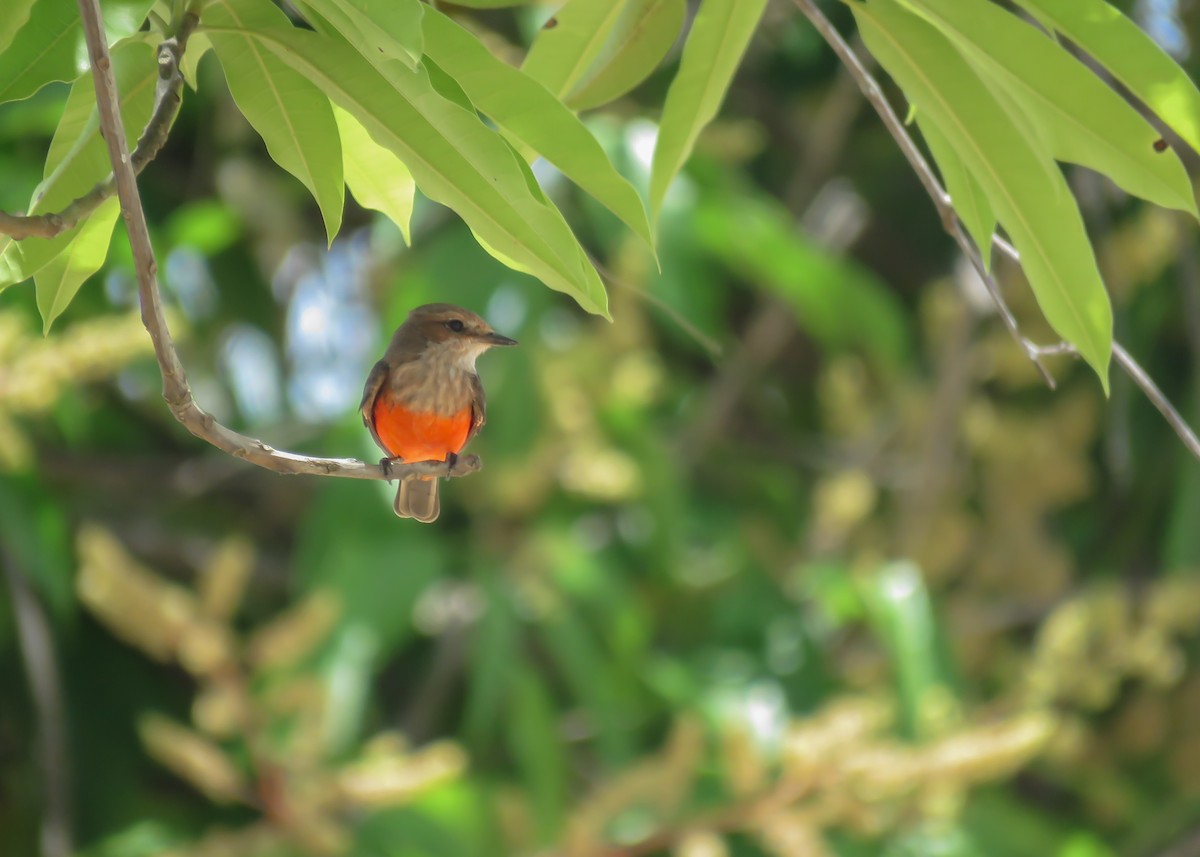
column 385, row 464
column 451, row 460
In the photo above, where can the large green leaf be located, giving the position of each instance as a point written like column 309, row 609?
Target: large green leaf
column 16, row 14
column 598, row 50
column 379, row 29
column 1082, row 119
column 78, row 157
column 1032, row 201
column 291, row 114
column 840, row 304
column 50, row 46
column 719, row 36
column 454, row 157
column 533, row 117
column 59, row 280
column 377, row 178
column 1131, row 56
column 968, row 197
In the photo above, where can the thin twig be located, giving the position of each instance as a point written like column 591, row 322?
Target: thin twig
column 949, row 217
column 941, row 200
column 153, row 138
column 176, row 391
column 45, row 686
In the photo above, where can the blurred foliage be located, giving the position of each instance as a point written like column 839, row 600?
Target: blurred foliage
column 797, row 557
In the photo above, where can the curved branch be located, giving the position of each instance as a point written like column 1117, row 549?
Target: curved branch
column 154, row 136
column 175, row 386
column 953, row 225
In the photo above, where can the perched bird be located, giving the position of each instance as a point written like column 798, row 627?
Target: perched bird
column 423, row 401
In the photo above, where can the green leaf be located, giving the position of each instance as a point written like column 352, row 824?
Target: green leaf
column 50, row 46
column 378, row 29
column 293, row 116
column 530, row 723
column 967, row 196
column 1131, row 56
column 15, row 17
column 1082, row 119
column 533, row 117
column 491, row 4
column 59, row 280
column 838, row 302
column 377, row 178
column 901, row 614
column 455, row 159
column 597, row 51
column 1030, row 199
column 78, row 157
column 719, row 36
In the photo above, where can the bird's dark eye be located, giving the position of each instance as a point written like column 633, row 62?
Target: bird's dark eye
column 455, row 324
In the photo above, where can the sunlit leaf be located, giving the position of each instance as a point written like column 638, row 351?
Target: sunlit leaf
column 454, row 157
column 59, row 280
column 1132, row 57
column 293, row 116
column 533, row 117
column 1031, row 201
column 968, row 197
column 598, row 51
column 50, row 46
column 719, row 36
column 377, row 178
column 78, row 157
column 1082, row 119
column 387, row 29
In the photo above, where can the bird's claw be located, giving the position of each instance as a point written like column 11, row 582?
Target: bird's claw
column 451, row 460
column 385, row 464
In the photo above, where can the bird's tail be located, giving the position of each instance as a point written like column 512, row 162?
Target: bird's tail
column 417, row 498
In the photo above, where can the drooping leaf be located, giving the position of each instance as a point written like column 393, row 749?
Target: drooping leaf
column 59, row 280
column 377, row 178
column 384, row 29
column 1131, row 56
column 292, row 115
column 719, row 36
column 966, row 195
column 533, row 117
column 50, row 46
column 598, row 51
column 1082, row 119
column 454, row 157
column 1031, row 200
column 78, row 157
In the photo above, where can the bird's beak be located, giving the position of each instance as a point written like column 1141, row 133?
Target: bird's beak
column 494, row 338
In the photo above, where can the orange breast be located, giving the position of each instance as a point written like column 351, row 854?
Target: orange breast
column 420, row 436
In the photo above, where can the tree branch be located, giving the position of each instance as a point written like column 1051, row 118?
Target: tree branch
column 176, row 391
column 154, row 136
column 941, row 200
column 953, row 225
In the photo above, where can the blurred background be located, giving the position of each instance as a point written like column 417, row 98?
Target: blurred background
column 799, row 556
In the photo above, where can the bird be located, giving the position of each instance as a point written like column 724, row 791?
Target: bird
column 423, row 400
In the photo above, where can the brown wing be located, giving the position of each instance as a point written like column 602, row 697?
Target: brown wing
column 370, row 391
column 478, row 408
